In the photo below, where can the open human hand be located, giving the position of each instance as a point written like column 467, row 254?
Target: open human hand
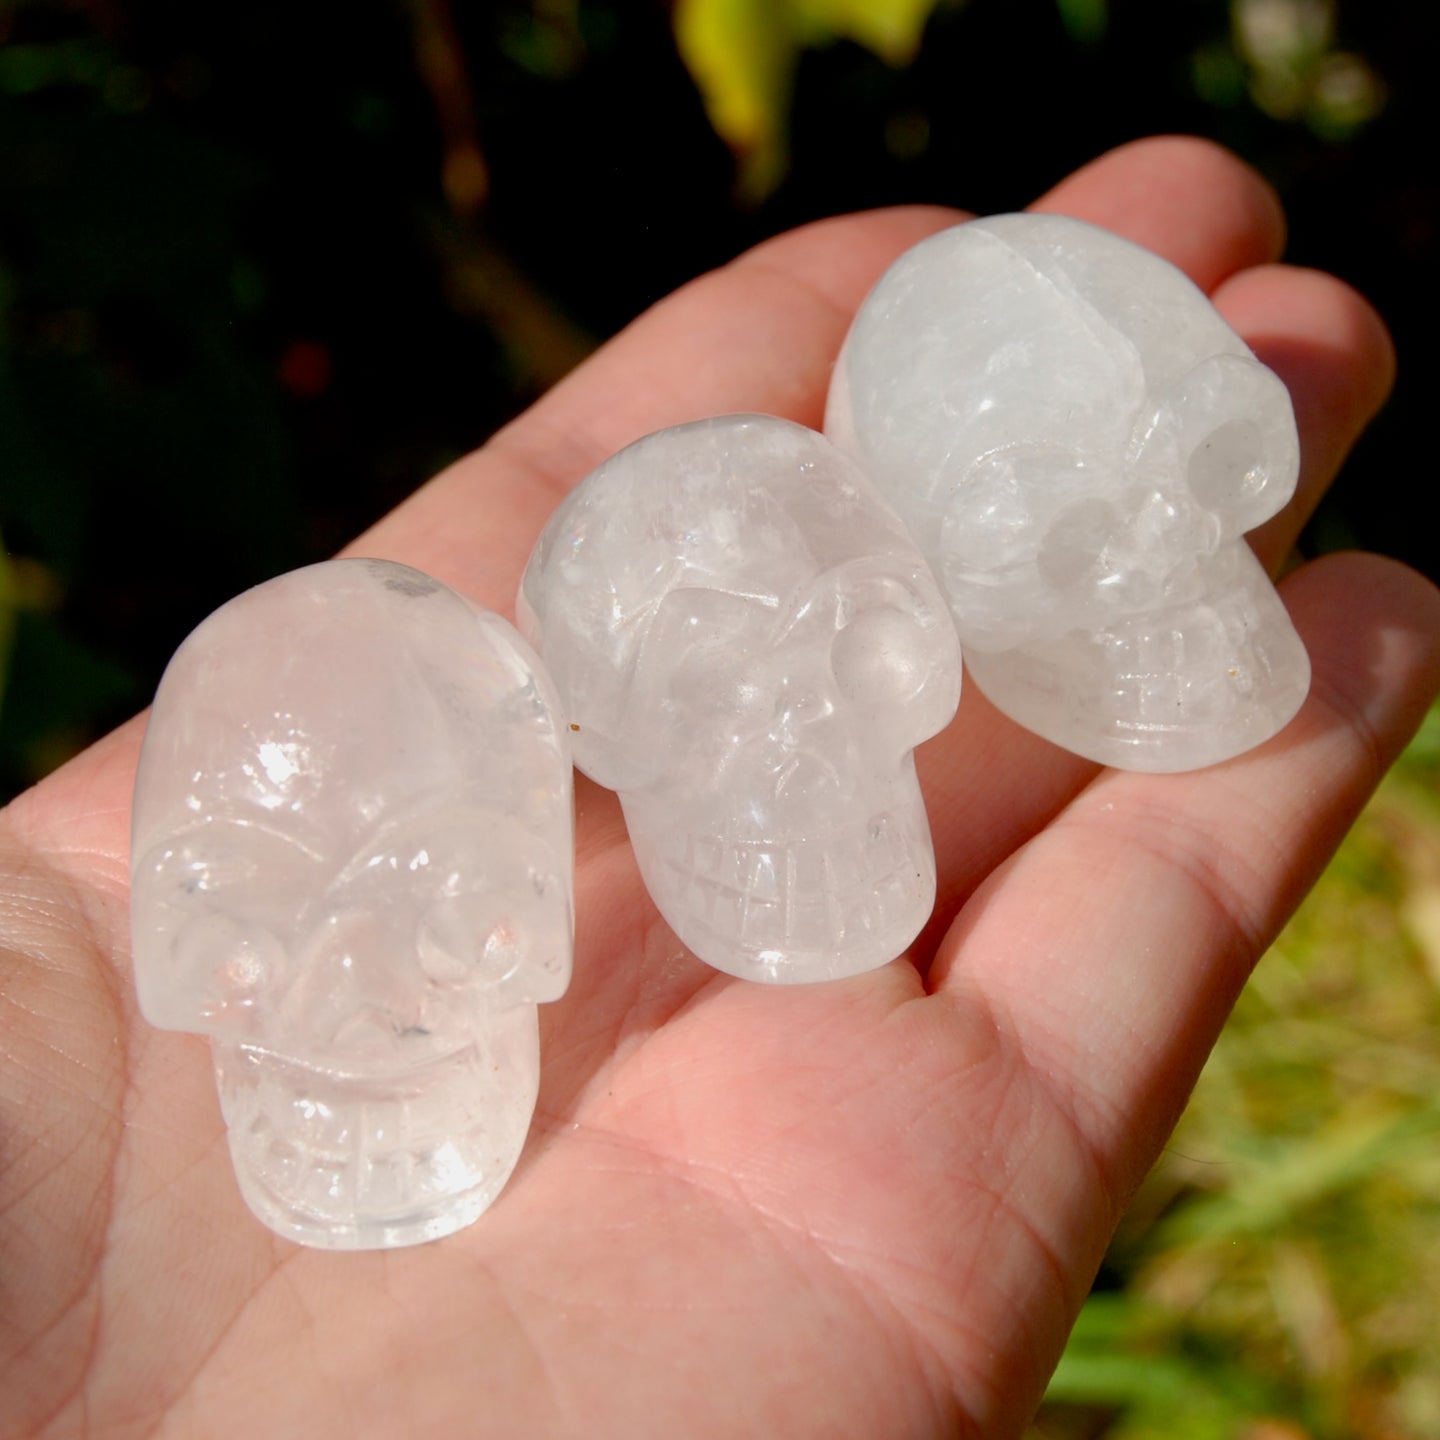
column 867, row 1208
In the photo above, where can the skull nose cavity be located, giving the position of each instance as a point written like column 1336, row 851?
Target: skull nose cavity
column 1129, row 557
column 1169, row 528
column 350, row 944
column 797, row 709
column 805, row 778
column 348, row 990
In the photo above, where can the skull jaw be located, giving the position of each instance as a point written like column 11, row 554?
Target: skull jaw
column 1171, row 690
column 781, row 908
column 344, row 1162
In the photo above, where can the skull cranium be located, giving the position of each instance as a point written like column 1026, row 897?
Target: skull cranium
column 1079, row 442
column 352, row 871
column 749, row 648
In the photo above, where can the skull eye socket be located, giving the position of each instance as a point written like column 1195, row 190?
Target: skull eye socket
column 1230, row 424
column 881, row 657
column 1227, row 470
column 231, row 963
column 465, row 940
column 213, row 905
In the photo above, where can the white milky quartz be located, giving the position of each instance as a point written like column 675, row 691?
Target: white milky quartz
column 352, row 870
column 748, row 646
column 1078, row 441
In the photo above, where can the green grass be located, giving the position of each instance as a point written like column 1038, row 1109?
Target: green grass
column 1278, row 1275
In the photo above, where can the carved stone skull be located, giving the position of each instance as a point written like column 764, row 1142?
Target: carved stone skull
column 749, row 647
column 1079, row 442
column 352, row 870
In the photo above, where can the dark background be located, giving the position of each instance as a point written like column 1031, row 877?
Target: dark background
column 264, row 268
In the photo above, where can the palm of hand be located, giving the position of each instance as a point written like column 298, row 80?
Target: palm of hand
column 864, row 1208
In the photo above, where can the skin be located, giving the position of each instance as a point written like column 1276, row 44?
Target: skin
column 870, row 1208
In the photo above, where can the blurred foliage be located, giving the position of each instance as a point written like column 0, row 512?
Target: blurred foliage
column 1279, row 1272
column 743, row 55
column 265, row 268
column 1286, row 54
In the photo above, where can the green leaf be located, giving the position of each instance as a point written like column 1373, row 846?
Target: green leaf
column 1424, row 749
column 891, row 29
column 1352, row 1148
column 1130, row 1355
column 742, row 55
column 1087, row 1377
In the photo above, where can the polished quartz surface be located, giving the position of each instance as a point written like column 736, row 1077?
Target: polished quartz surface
column 749, row 646
column 1079, row 442
column 352, row 854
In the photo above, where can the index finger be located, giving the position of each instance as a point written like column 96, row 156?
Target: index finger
column 762, row 333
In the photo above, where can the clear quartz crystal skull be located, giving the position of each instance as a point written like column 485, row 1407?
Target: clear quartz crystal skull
column 352, row 870
column 749, row 647
column 1079, row 442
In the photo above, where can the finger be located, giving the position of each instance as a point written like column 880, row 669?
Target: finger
column 1110, row 949
column 1186, row 199
column 1336, row 358
column 1319, row 336
column 759, row 334
column 762, row 334
column 1334, row 354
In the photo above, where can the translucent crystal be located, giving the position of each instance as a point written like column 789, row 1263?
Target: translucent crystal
column 749, row 646
column 1078, row 441
column 352, row 860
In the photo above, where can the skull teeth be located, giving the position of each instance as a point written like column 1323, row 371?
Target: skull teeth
column 778, row 900
column 344, row 1162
